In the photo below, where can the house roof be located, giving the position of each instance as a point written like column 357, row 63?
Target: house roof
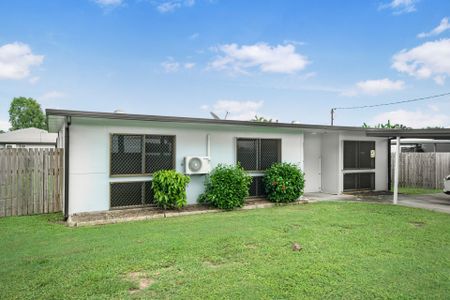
column 28, row 136
column 55, row 115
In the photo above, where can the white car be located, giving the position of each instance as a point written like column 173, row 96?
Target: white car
column 447, row 185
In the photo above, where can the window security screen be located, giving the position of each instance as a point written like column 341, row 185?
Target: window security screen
column 359, row 181
column 141, row 154
column 258, row 154
column 247, row 153
column 123, row 194
column 257, row 187
column 159, row 153
column 126, row 154
column 357, row 155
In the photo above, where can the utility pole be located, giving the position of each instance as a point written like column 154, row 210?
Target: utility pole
column 333, row 110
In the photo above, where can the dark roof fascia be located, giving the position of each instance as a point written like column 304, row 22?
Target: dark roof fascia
column 156, row 118
column 432, row 133
column 28, row 143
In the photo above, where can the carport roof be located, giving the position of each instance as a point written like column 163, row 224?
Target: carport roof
column 429, row 133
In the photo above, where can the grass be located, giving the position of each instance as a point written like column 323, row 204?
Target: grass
column 350, row 250
column 417, row 191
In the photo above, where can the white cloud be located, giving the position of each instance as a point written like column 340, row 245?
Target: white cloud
column 173, row 66
column 109, row 3
column 170, row 6
column 170, row 66
column 294, row 42
column 4, row 125
column 431, row 59
column 238, row 110
column 443, row 26
column 414, row 118
column 400, row 6
column 375, row 87
column 16, row 60
column 266, row 58
column 52, row 95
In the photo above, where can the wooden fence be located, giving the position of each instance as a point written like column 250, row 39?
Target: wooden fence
column 422, row 170
column 31, row 181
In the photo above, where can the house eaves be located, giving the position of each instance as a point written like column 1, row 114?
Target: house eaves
column 51, row 113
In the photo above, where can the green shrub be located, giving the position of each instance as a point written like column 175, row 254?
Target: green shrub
column 284, row 182
column 169, row 188
column 226, row 187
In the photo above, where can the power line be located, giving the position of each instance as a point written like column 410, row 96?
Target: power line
column 395, row 102
column 333, row 110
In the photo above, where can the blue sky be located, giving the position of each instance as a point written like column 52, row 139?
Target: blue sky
column 286, row 60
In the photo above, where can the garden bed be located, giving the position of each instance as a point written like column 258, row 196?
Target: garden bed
column 152, row 212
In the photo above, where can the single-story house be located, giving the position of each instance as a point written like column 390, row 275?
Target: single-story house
column 110, row 157
column 28, row 138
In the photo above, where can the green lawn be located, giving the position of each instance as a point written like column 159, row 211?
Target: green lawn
column 350, row 250
column 417, row 191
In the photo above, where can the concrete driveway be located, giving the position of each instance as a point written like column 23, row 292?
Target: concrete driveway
column 437, row 202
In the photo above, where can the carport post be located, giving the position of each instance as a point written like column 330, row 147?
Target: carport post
column 396, row 165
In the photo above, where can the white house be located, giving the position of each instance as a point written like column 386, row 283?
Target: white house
column 110, row 157
column 27, row 138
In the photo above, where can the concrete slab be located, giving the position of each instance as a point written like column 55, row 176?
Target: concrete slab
column 436, row 202
column 315, row 197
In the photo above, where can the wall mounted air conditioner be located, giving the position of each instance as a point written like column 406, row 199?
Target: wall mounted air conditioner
column 197, row 165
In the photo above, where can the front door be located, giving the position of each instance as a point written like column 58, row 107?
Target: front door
column 312, row 147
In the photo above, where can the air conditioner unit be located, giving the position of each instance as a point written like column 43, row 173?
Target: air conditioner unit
column 197, row 164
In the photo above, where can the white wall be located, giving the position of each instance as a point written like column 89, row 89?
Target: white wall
column 90, row 142
column 330, row 163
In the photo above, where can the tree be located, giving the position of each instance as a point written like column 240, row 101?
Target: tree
column 26, row 113
column 388, row 125
column 262, row 119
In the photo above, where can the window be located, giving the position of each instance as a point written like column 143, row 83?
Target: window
column 257, row 188
column 141, row 154
column 159, row 153
column 125, row 194
column 357, row 155
column 126, row 154
column 258, row 154
column 359, row 181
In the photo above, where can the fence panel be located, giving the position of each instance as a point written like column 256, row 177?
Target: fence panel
column 31, row 181
column 422, row 170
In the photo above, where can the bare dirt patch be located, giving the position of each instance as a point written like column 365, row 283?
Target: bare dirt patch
column 213, row 264
column 417, row 223
column 141, row 280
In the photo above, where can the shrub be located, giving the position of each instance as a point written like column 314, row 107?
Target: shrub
column 284, row 182
column 226, row 187
column 169, row 188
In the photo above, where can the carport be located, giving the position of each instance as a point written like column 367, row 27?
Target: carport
column 398, row 134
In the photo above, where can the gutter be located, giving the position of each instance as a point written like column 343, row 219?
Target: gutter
column 66, row 166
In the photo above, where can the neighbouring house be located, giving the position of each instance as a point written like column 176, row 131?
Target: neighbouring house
column 28, row 138
column 110, row 157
